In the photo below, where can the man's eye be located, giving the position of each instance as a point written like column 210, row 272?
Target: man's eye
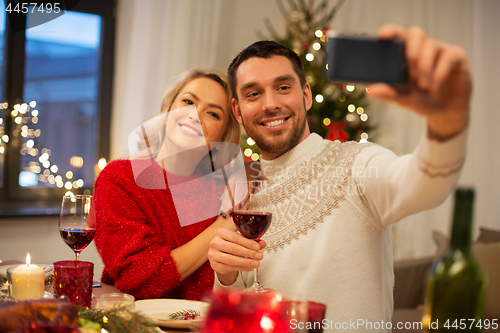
column 253, row 94
column 283, row 88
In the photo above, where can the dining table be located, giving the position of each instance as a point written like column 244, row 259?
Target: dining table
column 101, row 289
column 107, row 288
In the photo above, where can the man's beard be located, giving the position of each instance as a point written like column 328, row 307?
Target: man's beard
column 269, row 145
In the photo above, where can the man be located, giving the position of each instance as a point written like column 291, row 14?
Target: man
column 333, row 203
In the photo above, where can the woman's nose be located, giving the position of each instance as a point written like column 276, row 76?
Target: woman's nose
column 193, row 114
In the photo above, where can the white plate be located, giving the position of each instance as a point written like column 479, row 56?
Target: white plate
column 46, row 268
column 158, row 310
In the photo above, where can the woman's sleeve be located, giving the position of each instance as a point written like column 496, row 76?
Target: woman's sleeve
column 134, row 253
column 393, row 187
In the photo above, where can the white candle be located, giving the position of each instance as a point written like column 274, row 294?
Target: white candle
column 28, row 281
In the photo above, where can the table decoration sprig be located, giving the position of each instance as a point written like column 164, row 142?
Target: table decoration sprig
column 116, row 320
column 15, row 314
column 188, row 314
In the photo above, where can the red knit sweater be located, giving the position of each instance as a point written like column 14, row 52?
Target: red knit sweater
column 137, row 228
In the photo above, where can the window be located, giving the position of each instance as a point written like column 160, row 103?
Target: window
column 56, row 103
column 2, row 115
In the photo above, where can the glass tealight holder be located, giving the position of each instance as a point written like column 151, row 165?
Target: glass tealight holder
column 115, row 300
column 74, row 279
column 49, row 286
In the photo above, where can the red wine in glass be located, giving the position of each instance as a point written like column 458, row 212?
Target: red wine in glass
column 252, row 224
column 77, row 225
column 77, row 239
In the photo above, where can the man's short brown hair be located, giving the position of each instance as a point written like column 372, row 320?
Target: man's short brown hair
column 265, row 49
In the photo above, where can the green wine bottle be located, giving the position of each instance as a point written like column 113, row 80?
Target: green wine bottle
column 457, row 284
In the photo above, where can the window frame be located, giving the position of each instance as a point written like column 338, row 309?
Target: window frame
column 14, row 199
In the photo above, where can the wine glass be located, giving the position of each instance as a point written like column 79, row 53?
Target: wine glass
column 250, row 220
column 77, row 222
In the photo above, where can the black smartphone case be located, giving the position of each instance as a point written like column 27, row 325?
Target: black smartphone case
column 359, row 60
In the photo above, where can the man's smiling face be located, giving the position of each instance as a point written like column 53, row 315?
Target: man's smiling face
column 272, row 104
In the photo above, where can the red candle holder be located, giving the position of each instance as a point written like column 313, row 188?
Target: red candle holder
column 74, row 279
column 315, row 315
column 271, row 312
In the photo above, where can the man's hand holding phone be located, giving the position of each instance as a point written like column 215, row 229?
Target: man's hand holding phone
column 440, row 84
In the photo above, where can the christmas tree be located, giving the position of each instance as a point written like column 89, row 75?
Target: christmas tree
column 338, row 110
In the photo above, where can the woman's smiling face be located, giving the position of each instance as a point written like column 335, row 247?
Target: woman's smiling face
column 206, row 121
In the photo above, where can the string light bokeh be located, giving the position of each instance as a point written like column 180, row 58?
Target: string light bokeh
column 25, row 116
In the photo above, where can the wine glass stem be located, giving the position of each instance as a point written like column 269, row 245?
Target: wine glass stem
column 256, row 281
column 77, row 255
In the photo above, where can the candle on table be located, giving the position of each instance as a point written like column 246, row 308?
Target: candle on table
column 28, row 281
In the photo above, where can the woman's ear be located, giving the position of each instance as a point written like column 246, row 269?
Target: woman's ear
column 236, row 110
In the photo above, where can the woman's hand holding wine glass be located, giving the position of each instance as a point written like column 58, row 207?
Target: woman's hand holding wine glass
column 77, row 222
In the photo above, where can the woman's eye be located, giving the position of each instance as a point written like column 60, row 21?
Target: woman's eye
column 188, row 101
column 213, row 114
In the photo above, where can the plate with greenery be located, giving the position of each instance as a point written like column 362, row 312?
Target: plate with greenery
column 173, row 313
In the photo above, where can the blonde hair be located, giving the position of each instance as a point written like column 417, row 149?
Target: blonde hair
column 232, row 133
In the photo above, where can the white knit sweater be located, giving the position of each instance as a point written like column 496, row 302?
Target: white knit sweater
column 330, row 235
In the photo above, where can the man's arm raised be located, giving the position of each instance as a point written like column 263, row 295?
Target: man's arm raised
column 440, row 90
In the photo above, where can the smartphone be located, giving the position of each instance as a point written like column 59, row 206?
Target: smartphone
column 363, row 60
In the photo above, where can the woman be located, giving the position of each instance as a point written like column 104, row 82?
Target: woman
column 147, row 250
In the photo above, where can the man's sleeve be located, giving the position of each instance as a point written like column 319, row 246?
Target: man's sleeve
column 393, row 187
column 238, row 284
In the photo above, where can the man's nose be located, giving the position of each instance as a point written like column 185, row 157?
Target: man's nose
column 271, row 102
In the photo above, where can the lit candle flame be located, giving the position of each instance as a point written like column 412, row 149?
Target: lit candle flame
column 266, row 323
column 28, row 259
